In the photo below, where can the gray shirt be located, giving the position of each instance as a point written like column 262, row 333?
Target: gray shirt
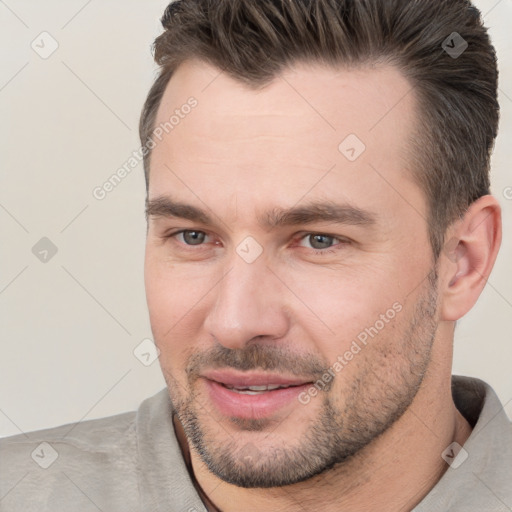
column 132, row 462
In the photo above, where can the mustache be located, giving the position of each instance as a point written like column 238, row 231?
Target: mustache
column 257, row 357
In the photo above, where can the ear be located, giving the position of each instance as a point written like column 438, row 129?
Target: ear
column 469, row 256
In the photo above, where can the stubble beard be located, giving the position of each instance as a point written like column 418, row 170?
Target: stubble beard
column 375, row 398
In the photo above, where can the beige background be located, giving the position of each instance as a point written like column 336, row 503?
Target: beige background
column 68, row 122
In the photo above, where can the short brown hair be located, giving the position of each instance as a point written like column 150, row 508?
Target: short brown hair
column 255, row 40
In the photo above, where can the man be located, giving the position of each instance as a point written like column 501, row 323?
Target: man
column 319, row 218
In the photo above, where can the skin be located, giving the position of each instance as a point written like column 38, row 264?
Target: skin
column 375, row 435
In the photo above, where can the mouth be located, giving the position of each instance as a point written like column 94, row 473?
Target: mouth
column 250, row 395
column 256, row 390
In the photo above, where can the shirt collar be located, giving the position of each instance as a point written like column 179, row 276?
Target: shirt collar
column 483, row 481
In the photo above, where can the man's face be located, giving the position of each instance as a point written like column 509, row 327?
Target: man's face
column 311, row 259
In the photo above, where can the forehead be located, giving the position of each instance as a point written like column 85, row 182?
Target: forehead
column 335, row 94
column 312, row 130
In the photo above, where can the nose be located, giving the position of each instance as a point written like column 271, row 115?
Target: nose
column 247, row 303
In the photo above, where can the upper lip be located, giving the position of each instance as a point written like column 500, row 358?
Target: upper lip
column 246, row 379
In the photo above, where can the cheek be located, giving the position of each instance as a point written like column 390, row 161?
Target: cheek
column 176, row 304
column 170, row 290
column 366, row 318
column 167, row 311
column 337, row 305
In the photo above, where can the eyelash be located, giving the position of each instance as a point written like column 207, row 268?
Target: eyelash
column 316, row 252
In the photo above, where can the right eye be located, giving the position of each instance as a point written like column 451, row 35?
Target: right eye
column 190, row 236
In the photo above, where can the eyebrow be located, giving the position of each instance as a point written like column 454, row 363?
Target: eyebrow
column 313, row 212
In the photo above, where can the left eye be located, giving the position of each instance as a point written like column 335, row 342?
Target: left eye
column 319, row 241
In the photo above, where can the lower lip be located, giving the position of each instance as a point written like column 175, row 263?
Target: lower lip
column 231, row 403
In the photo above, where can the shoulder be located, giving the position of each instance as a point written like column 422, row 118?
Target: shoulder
column 84, row 439
column 78, row 466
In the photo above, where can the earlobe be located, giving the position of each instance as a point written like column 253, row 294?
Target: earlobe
column 469, row 257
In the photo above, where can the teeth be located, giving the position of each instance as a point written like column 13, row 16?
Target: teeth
column 262, row 388
column 254, row 390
